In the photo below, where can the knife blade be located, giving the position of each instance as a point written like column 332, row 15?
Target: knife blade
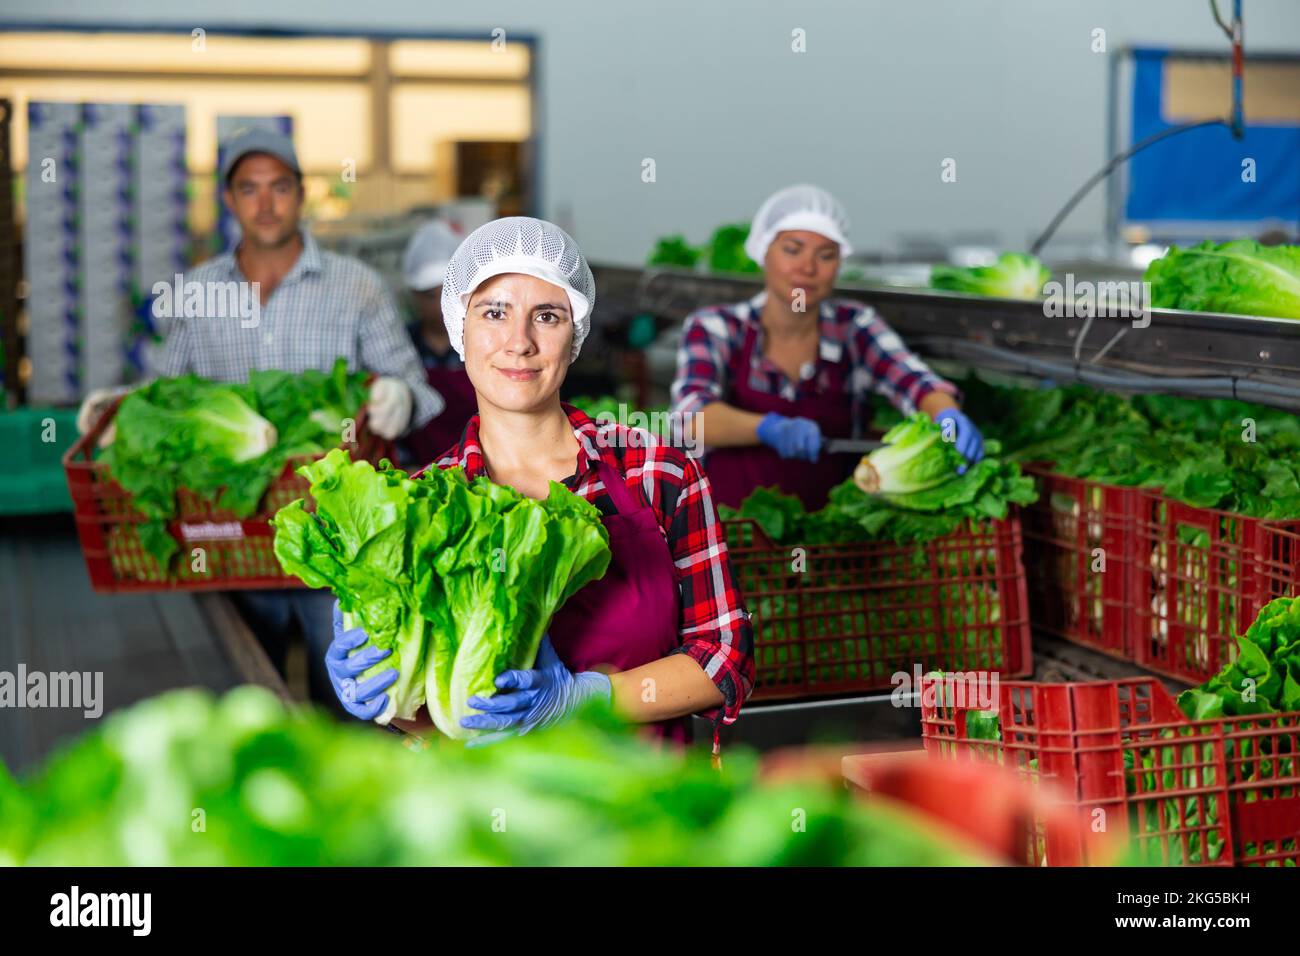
column 851, row 446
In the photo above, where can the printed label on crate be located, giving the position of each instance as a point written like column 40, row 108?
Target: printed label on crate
column 212, row 531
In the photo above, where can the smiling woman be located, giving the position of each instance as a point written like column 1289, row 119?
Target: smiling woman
column 663, row 633
column 770, row 382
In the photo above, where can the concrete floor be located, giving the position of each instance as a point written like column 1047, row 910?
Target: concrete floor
column 142, row 644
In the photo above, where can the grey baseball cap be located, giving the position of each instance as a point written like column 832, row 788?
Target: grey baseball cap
column 256, row 139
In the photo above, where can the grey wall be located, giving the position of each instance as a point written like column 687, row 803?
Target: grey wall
column 712, row 92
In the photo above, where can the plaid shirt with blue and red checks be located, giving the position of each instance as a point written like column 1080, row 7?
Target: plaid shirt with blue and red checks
column 714, row 627
column 851, row 333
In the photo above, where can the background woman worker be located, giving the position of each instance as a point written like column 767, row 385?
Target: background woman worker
column 424, row 265
column 663, row 633
column 774, row 377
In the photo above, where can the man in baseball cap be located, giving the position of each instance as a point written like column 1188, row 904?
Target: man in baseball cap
column 257, row 139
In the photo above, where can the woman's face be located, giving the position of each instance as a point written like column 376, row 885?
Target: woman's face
column 797, row 260
column 518, row 335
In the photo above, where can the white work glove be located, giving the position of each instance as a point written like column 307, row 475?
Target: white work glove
column 389, row 410
column 93, row 406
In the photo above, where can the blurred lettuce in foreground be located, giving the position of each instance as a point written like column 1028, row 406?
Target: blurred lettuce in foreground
column 190, row 779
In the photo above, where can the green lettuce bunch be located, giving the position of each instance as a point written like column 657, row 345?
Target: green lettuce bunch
column 1015, row 275
column 674, row 251
column 223, row 442
column 908, row 490
column 1241, row 277
column 1193, row 449
column 459, row 578
column 1264, row 678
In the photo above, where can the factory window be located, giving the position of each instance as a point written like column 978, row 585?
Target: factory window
column 380, row 125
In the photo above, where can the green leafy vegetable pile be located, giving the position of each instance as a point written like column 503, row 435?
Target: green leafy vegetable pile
column 1234, row 457
column 1265, row 676
column 1015, row 275
column 723, row 252
column 186, row 779
column 611, row 407
column 226, row 443
column 906, row 491
column 674, row 251
column 864, row 618
column 1263, row 679
column 1241, row 277
column 1197, row 450
column 460, row 578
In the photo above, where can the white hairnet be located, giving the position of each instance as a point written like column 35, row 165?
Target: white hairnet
column 424, row 264
column 533, row 247
column 798, row 207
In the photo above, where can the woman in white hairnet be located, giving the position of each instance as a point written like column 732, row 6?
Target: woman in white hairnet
column 517, row 305
column 770, row 380
column 424, row 266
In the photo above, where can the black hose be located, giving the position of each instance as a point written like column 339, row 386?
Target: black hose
column 1203, row 386
column 1109, row 168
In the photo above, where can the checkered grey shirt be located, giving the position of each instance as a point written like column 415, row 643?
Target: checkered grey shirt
column 328, row 305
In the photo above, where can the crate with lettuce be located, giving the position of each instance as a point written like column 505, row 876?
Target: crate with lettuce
column 189, row 779
column 1238, row 461
column 901, row 565
column 191, row 449
column 459, row 578
column 1259, row 691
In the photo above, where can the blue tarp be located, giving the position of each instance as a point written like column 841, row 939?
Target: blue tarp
column 1197, row 175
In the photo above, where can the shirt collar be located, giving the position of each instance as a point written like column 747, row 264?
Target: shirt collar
column 590, row 448
column 309, row 260
column 830, row 345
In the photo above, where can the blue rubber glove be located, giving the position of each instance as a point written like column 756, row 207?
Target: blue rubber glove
column 967, row 437
column 365, row 700
column 542, row 696
column 791, row 437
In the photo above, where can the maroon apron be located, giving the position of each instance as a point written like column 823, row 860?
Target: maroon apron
column 735, row 472
column 446, row 428
column 630, row 616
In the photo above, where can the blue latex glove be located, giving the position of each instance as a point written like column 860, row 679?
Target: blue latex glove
column 365, row 700
column 542, row 696
column 967, row 437
column 791, row 437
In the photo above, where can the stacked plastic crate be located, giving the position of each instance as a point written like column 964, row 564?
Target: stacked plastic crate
column 53, row 252
column 10, row 386
column 106, row 242
column 107, row 212
column 159, row 210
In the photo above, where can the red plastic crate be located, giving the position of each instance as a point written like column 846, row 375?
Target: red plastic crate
column 238, row 552
column 832, row 619
column 1201, row 793
column 1281, row 559
column 1073, row 531
column 1198, row 579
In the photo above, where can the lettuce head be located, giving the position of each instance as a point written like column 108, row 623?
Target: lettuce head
column 460, row 578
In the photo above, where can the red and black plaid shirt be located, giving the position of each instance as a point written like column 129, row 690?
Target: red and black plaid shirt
column 714, row 629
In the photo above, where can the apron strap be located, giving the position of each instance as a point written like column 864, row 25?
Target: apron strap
column 742, row 359
column 616, row 488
